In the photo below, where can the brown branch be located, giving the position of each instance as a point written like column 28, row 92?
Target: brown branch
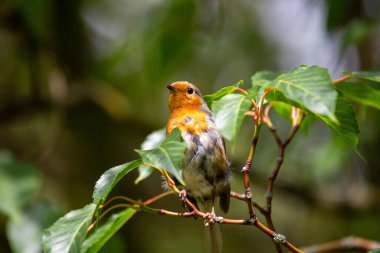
column 346, row 244
column 272, row 128
column 280, row 159
column 142, row 206
column 277, row 238
column 245, row 172
column 247, row 167
column 241, row 197
column 296, row 118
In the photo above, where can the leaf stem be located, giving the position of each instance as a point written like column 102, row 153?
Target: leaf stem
column 106, row 212
column 261, row 103
column 255, row 108
column 122, row 198
column 160, row 196
column 242, row 90
column 342, row 79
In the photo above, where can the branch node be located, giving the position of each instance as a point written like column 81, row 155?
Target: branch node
column 244, row 169
column 279, row 158
column 254, row 140
column 219, row 219
column 247, row 166
column 171, row 183
column 279, row 238
column 248, row 193
column 252, row 221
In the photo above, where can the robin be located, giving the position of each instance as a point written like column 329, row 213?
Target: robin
column 205, row 168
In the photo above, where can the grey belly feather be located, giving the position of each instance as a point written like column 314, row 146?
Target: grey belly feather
column 205, row 167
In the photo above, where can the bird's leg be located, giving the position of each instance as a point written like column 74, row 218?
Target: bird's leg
column 213, row 205
column 210, row 217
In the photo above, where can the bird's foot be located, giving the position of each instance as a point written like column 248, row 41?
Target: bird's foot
column 182, row 195
column 211, row 218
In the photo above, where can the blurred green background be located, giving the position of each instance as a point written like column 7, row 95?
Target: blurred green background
column 83, row 82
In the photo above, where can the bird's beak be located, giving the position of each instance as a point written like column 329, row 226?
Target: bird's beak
column 171, row 88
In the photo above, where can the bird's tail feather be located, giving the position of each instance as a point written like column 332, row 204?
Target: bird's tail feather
column 213, row 238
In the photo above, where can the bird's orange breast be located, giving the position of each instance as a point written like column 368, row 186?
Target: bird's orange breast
column 187, row 120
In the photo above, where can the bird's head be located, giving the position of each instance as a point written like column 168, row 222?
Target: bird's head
column 184, row 95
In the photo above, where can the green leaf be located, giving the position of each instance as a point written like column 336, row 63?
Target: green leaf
column 153, row 140
column 308, row 87
column 229, row 113
column 109, row 179
column 104, row 232
column 66, row 234
column 168, row 156
column 260, row 76
column 360, row 92
column 368, row 75
column 209, row 99
column 19, row 182
column 374, row 251
column 347, row 128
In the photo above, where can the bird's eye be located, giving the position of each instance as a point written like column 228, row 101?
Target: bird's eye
column 190, row 91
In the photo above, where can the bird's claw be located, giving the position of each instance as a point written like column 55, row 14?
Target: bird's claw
column 211, row 218
column 182, row 195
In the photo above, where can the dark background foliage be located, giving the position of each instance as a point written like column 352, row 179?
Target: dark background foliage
column 83, row 82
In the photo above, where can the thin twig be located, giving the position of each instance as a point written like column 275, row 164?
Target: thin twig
column 255, row 112
column 247, row 167
column 135, row 202
column 245, row 172
column 296, row 118
column 279, row 162
column 347, row 243
column 341, row 79
column 261, row 103
column 242, row 198
column 160, row 196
